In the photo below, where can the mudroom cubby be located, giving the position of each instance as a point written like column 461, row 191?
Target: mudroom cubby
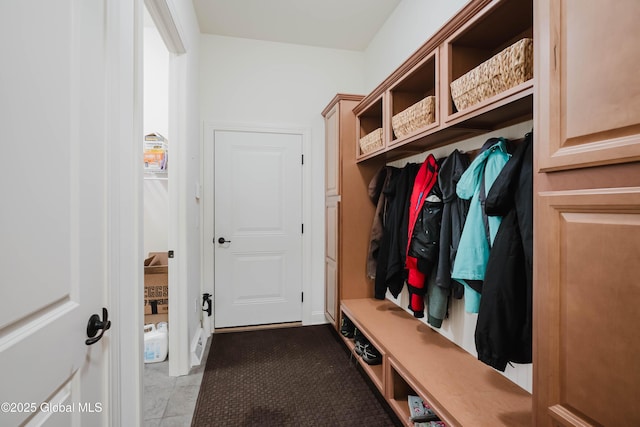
column 399, row 390
column 479, row 31
column 461, row 390
column 481, row 38
column 369, row 121
column 375, row 372
column 415, row 86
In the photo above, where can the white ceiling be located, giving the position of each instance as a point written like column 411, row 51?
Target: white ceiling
column 337, row 24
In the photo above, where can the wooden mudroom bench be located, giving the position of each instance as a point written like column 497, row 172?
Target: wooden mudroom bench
column 418, row 360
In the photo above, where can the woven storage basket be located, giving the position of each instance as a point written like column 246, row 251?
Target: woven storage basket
column 512, row 66
column 415, row 117
column 371, row 141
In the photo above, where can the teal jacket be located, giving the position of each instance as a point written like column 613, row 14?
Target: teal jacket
column 473, row 250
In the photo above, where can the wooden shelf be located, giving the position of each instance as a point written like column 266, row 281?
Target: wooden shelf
column 375, row 372
column 416, row 85
column 486, row 34
column 478, row 32
column 369, row 120
column 462, row 390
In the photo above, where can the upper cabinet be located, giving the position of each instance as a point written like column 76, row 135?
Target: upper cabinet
column 594, row 121
column 473, row 76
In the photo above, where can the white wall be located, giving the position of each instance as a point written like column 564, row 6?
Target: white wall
column 406, row 29
column 184, row 133
column 156, row 120
column 266, row 84
column 156, row 83
column 410, row 25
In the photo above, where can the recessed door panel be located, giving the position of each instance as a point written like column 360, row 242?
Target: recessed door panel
column 589, row 71
column 587, row 307
column 258, row 228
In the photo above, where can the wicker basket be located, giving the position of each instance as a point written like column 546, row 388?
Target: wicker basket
column 371, row 141
column 415, row 117
column 512, row 66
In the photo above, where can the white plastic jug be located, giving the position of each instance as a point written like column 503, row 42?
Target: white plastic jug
column 155, row 342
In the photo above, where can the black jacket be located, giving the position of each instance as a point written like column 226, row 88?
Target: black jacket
column 390, row 271
column 454, row 212
column 504, row 329
column 379, row 200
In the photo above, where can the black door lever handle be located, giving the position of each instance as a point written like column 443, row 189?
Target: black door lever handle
column 222, row 241
column 95, row 324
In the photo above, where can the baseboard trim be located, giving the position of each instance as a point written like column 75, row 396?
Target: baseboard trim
column 257, row 327
column 318, row 318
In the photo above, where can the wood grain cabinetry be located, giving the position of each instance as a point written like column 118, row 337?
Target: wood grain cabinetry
column 585, row 103
column 587, row 213
column 417, row 360
column 348, row 210
column 479, row 31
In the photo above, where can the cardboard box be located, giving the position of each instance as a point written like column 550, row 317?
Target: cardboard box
column 156, row 284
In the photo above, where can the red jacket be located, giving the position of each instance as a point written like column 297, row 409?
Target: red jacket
column 416, row 280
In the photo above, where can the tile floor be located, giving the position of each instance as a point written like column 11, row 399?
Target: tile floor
column 170, row 401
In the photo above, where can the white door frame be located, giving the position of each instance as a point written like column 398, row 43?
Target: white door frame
column 124, row 41
column 125, row 228
column 208, row 189
column 166, row 21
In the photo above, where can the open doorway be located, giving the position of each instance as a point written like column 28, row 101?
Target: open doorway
column 167, row 69
column 156, row 208
column 156, row 170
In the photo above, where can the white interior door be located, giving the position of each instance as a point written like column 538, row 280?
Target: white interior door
column 258, row 228
column 53, row 218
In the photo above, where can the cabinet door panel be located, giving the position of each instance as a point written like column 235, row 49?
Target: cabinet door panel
column 332, row 162
column 331, row 291
column 590, row 304
column 586, row 213
column 332, row 229
column 590, row 74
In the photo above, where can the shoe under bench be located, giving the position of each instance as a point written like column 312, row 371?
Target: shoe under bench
column 418, row 360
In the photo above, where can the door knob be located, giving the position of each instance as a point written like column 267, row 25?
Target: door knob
column 95, row 324
column 222, row 241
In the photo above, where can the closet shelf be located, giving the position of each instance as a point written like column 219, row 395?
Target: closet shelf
column 478, row 32
column 462, row 390
column 487, row 116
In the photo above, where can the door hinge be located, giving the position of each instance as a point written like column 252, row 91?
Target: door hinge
column 302, row 158
column 302, row 228
column 170, row 254
column 301, row 296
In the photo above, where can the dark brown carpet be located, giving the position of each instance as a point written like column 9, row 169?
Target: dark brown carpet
column 299, row 376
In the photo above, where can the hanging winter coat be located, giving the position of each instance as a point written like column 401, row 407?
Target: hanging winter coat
column 425, row 214
column 504, row 328
column 479, row 230
column 376, row 194
column 390, row 271
column 424, row 248
column 454, row 213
